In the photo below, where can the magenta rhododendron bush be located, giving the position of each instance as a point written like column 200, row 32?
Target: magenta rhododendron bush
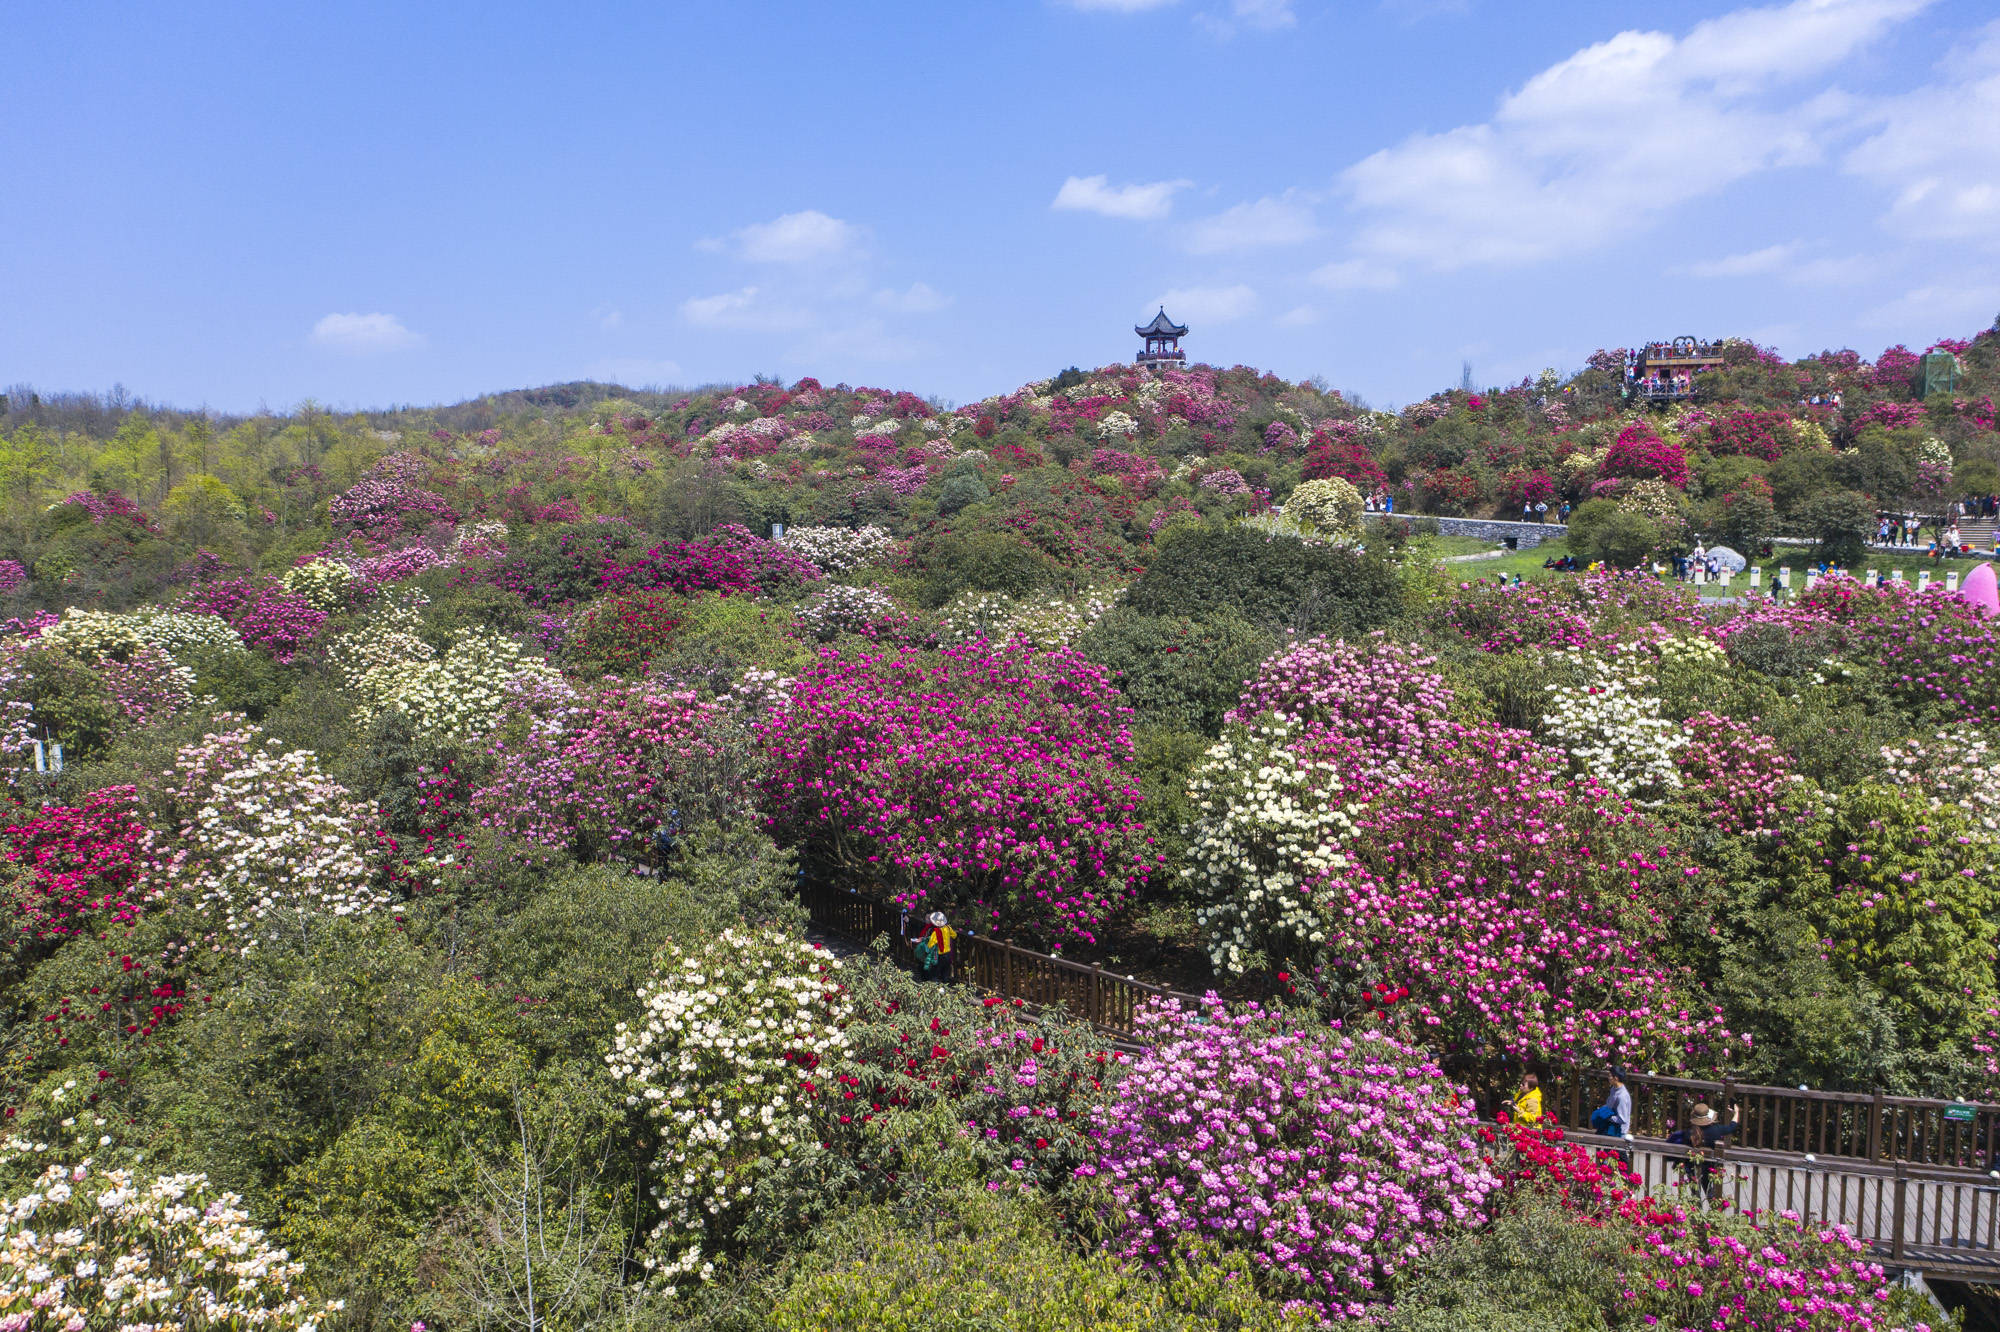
column 1524, row 912
column 996, row 777
column 80, row 868
column 728, row 560
column 1333, row 1159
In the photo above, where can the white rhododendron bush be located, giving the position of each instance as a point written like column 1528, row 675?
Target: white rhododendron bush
column 268, row 843
column 462, row 694
column 1611, row 725
column 723, row 1061
column 839, row 549
column 91, row 1248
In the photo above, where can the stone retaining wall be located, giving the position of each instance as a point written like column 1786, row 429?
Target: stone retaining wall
column 1521, row 536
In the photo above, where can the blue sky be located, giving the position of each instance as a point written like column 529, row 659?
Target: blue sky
column 237, row 205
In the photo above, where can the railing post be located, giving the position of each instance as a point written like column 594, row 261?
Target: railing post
column 1902, row 1189
column 1096, row 989
column 1875, row 1127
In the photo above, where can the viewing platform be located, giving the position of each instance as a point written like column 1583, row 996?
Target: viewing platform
column 1665, row 371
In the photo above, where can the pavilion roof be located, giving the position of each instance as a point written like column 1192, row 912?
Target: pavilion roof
column 1161, row 327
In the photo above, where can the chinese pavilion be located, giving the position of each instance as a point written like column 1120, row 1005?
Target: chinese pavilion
column 1163, row 341
column 1664, row 371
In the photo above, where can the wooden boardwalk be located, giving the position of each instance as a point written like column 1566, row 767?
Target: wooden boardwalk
column 1941, row 1222
column 1907, row 1175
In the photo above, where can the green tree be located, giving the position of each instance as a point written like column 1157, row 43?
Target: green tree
column 27, row 462
column 202, row 508
column 1839, row 523
column 1902, row 892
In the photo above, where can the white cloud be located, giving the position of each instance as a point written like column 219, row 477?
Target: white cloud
column 608, row 317
column 863, row 340
column 1558, row 169
column 364, row 334
column 917, row 298
column 1137, row 203
column 747, row 309
column 1269, row 15
column 636, row 372
column 1355, row 275
column 1250, row 226
column 1118, row 6
column 1782, row 261
column 794, row 238
column 1208, row 305
column 1755, row 263
column 1944, row 172
column 1924, row 311
column 1299, row 316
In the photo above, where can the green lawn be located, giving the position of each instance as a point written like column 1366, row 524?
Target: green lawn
column 1528, row 564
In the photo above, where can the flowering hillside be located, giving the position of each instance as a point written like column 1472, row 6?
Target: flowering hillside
column 405, row 815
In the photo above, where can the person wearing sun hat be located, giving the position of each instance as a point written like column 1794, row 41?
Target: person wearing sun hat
column 937, row 958
column 1703, row 1132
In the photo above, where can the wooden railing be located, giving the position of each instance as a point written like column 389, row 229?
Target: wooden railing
column 1853, row 1126
column 1103, row 998
column 1946, row 1222
column 1845, row 1126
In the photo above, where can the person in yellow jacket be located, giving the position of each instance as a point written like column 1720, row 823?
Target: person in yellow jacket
column 1528, row 1100
column 937, row 959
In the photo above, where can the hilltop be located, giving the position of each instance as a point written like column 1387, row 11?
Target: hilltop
column 1058, row 483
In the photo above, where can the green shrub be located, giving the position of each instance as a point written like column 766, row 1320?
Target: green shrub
column 246, row 682
column 1622, row 538
column 1904, row 894
column 1004, row 562
column 973, row 1260
column 580, row 949
column 1274, row 582
column 453, row 610
column 1839, row 523
column 1178, row 671
column 722, row 637
column 1163, row 758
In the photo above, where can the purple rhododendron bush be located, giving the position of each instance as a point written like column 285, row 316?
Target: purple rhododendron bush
column 1333, row 1159
column 426, row 833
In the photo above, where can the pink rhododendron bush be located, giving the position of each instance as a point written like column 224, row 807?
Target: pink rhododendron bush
column 1347, row 832
column 996, row 777
column 595, row 773
column 730, row 560
column 1333, row 1159
column 1933, row 649
column 1588, row 610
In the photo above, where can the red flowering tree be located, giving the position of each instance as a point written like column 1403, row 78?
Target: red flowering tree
column 1347, row 459
column 620, row 634
column 1641, row 454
